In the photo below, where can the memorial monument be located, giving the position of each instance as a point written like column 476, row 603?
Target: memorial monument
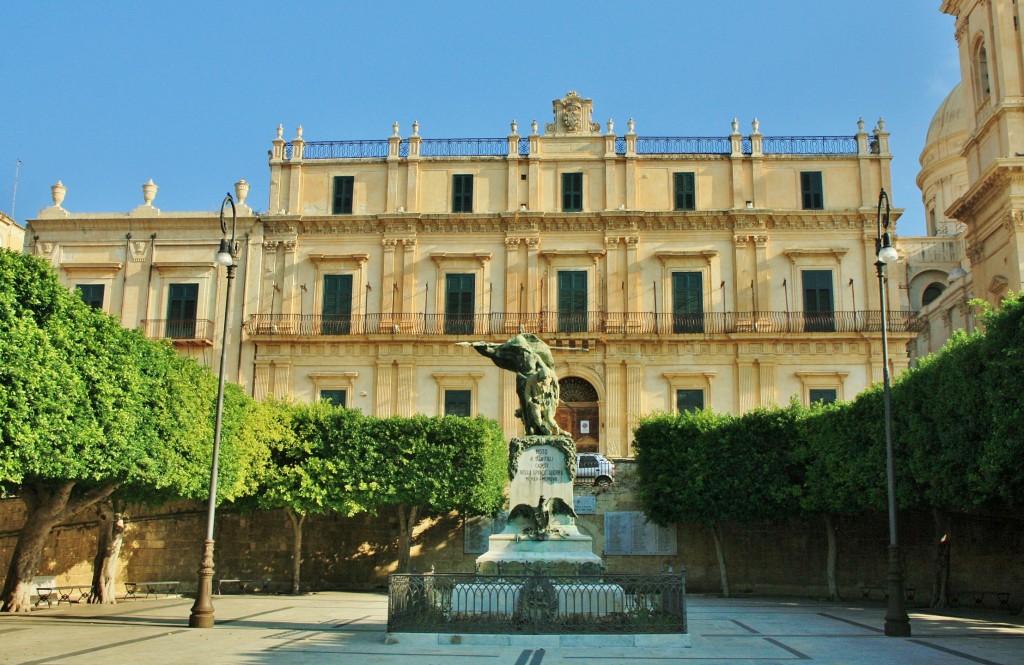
column 541, row 536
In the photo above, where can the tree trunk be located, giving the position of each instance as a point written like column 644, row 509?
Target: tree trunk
column 45, row 507
column 108, row 549
column 940, row 585
column 831, row 563
column 296, row 521
column 723, row 571
column 406, row 522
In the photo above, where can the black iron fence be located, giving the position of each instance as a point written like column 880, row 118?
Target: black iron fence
column 537, row 604
column 610, row 323
column 645, row 145
column 200, row 330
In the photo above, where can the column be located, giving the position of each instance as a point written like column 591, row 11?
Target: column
column 406, row 388
column 512, row 282
column 289, row 295
column 762, row 270
column 613, row 279
column 532, row 275
column 747, row 386
column 382, row 397
column 634, row 398
column 633, row 301
column 614, row 414
column 767, row 370
column 387, row 287
column 408, row 294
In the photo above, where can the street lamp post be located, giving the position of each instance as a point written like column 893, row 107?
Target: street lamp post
column 897, row 623
column 202, row 609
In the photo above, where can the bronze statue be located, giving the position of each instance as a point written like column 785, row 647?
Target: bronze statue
column 536, row 383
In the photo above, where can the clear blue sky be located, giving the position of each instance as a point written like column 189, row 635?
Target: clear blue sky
column 105, row 95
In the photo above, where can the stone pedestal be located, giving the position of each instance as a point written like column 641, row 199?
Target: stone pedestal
column 549, row 543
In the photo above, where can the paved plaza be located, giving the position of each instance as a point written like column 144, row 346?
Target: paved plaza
column 337, row 627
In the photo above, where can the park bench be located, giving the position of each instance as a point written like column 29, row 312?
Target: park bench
column 66, row 592
column 42, row 588
column 154, row 588
column 1001, row 597
column 866, row 592
column 242, row 585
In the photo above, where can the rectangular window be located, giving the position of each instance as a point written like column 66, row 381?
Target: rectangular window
column 337, row 311
column 572, row 301
column 92, row 294
column 819, row 315
column 344, row 186
column 823, row 395
column 689, row 400
column 335, row 397
column 687, row 302
column 462, row 193
column 458, row 403
column 572, row 192
column 685, row 187
column 459, row 303
column 182, row 300
column 811, row 190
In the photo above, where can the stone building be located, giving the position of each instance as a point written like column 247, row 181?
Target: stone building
column 972, row 176
column 667, row 272
column 12, row 236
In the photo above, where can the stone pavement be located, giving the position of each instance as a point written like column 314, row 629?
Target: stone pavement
column 336, row 627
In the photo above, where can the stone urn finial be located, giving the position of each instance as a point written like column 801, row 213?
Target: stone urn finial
column 416, row 128
column 298, row 132
column 860, row 125
column 735, row 126
column 756, row 125
column 149, row 192
column 881, row 124
column 394, row 129
column 280, row 132
column 58, row 192
column 533, row 127
column 630, row 126
column 611, row 126
column 241, row 191
column 515, row 126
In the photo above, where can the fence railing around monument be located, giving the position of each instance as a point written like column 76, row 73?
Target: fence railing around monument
column 537, row 604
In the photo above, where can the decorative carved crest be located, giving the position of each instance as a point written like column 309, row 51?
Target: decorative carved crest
column 572, row 116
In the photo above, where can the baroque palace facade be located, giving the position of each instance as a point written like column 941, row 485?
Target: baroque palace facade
column 667, row 273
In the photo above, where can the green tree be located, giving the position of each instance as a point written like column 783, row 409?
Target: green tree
column 309, row 469
column 86, row 407
column 712, row 468
column 428, row 466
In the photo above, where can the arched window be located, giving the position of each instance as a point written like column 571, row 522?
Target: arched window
column 981, row 81
column 574, row 389
column 931, row 292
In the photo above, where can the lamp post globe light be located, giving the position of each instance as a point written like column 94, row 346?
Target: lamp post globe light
column 897, row 623
column 202, row 609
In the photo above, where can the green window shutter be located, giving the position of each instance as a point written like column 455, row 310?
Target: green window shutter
column 685, row 186
column 344, row 186
column 819, row 313
column 462, row 193
column 823, row 395
column 459, row 303
column 689, row 400
column 687, row 302
column 572, row 301
column 337, row 307
column 182, row 300
column 335, row 397
column 92, row 294
column 458, row 403
column 572, row 192
column 811, row 190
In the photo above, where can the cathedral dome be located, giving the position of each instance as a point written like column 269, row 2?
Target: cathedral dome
column 948, row 128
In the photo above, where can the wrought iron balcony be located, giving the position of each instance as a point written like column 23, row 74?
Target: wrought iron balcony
column 181, row 331
column 603, row 323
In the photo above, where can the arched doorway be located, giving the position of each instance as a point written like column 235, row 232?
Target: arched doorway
column 579, row 413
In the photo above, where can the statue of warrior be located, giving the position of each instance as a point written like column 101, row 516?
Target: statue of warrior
column 536, row 383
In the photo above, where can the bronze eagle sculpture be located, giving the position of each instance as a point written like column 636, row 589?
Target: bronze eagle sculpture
column 539, row 516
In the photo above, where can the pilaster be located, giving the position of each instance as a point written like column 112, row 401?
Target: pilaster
column 634, row 398
column 382, row 396
column 406, row 300
column 406, row 388
column 388, row 286
column 614, row 436
column 746, row 375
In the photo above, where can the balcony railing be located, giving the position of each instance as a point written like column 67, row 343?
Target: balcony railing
column 537, row 604
column 610, row 323
column 194, row 331
column 645, row 145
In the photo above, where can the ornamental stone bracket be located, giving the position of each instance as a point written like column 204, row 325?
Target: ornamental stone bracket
column 572, row 117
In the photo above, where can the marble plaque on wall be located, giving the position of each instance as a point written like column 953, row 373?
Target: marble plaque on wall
column 629, row 533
